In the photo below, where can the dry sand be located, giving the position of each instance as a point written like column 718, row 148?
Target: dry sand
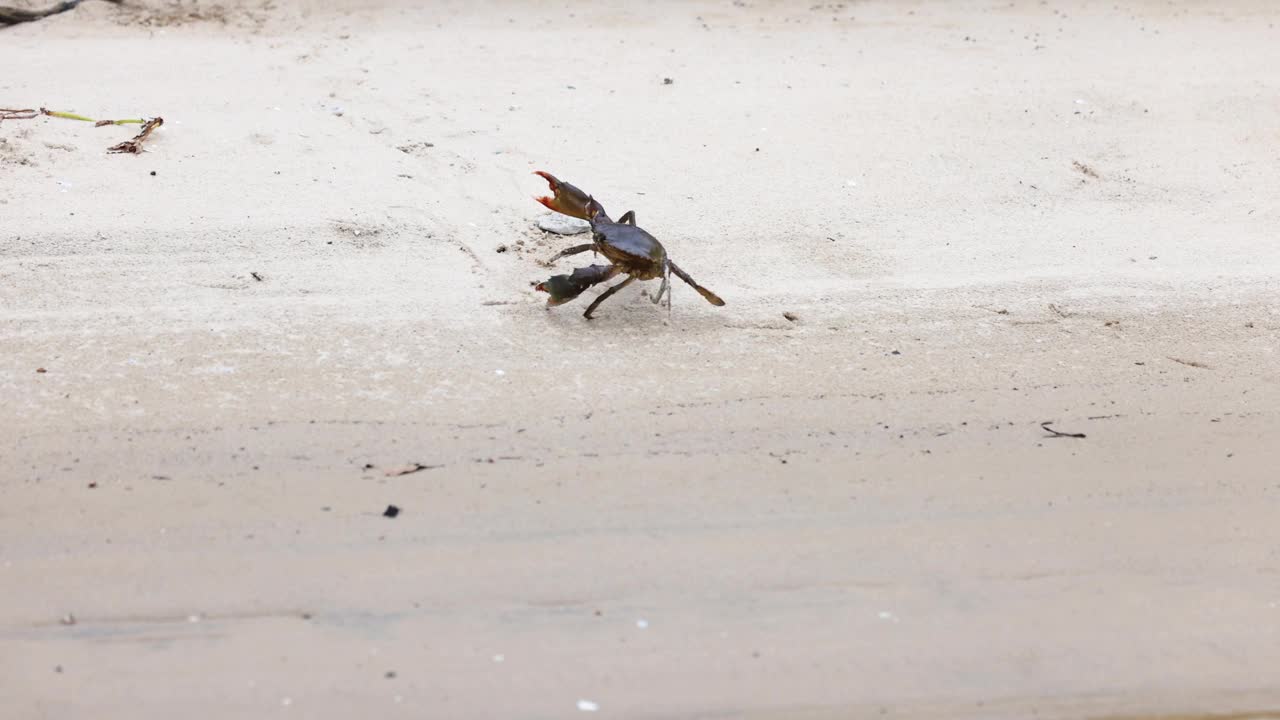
column 983, row 215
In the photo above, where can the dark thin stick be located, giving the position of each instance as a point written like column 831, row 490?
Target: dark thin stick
column 1054, row 433
column 409, row 469
column 12, row 114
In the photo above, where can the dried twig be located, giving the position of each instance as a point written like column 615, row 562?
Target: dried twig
column 135, row 145
column 1054, row 433
column 12, row 114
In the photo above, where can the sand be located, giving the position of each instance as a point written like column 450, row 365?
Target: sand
column 981, row 216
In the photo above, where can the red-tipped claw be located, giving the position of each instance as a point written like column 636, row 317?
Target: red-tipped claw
column 560, row 290
column 568, row 199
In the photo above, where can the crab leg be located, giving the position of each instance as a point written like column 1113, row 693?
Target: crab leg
column 567, row 199
column 710, row 296
column 571, row 251
column 604, row 295
column 664, row 287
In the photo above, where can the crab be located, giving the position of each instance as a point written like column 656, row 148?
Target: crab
column 630, row 250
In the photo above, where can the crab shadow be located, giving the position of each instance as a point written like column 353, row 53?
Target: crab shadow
column 627, row 314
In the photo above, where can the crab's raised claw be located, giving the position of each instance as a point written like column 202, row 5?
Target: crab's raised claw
column 568, row 199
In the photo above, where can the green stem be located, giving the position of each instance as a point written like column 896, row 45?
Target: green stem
column 67, row 115
column 73, row 116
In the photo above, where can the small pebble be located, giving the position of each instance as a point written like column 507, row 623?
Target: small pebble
column 502, row 248
column 790, row 316
column 563, row 224
column 391, row 511
column 668, row 81
column 153, row 173
column 41, row 370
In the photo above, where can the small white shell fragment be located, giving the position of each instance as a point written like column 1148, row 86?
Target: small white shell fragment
column 499, row 658
column 563, row 224
column 642, row 623
column 587, row 706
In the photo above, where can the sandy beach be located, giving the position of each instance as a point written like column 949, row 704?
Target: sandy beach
column 936, row 226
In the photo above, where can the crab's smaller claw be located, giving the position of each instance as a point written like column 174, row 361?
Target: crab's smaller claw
column 567, row 199
column 560, row 288
column 563, row 288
